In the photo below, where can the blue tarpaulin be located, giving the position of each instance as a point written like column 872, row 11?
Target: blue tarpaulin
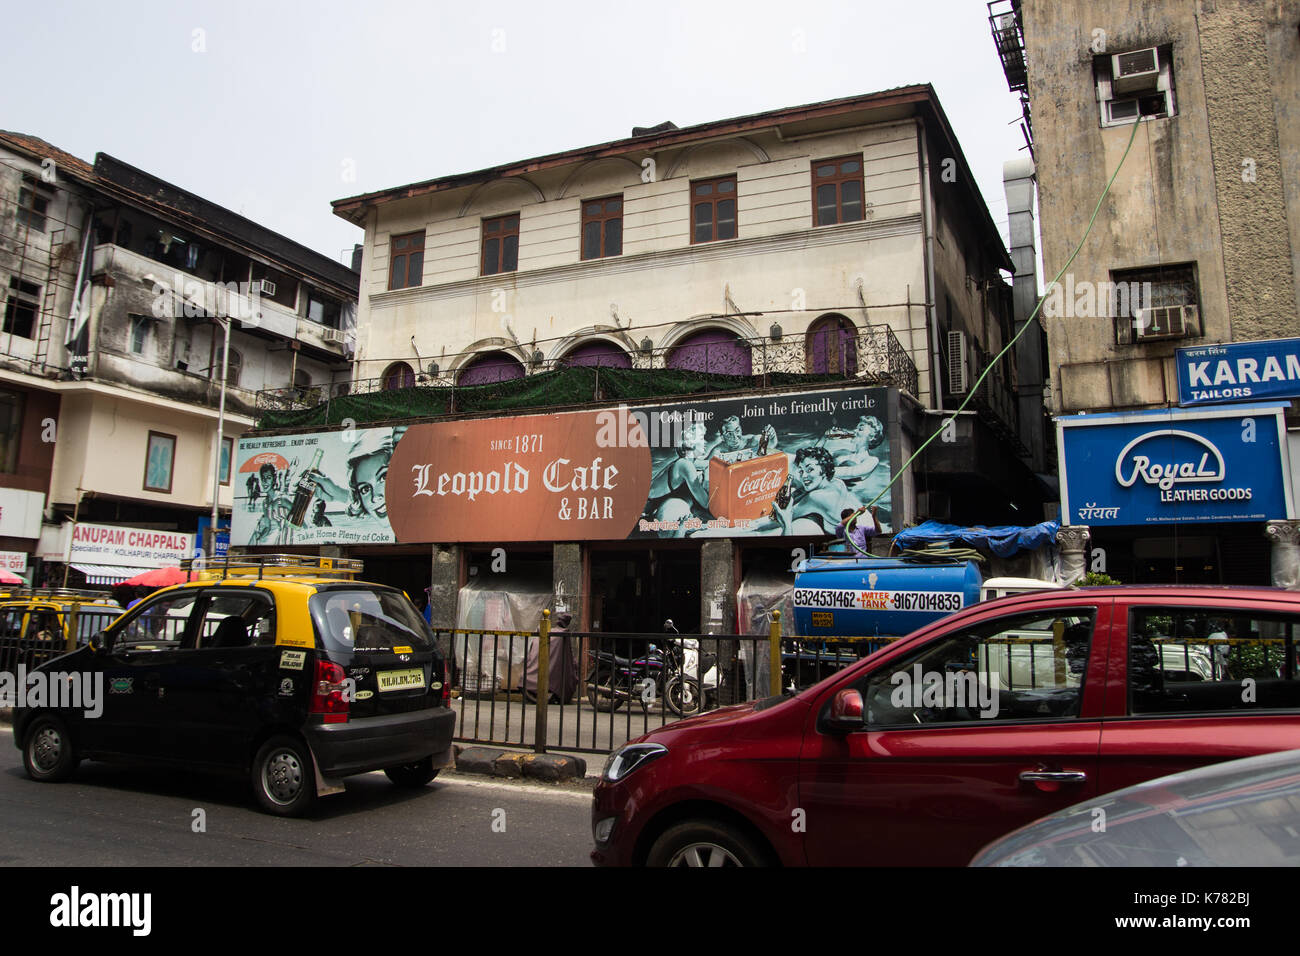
column 1003, row 541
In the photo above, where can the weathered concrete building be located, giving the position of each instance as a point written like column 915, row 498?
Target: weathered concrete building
column 1197, row 245
column 119, row 290
column 840, row 246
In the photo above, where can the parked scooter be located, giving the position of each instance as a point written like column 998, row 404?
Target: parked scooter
column 688, row 691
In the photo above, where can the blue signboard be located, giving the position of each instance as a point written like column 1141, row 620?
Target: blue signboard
column 223, row 537
column 1244, row 371
column 1225, row 464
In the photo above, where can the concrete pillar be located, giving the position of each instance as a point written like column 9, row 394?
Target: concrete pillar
column 1073, row 542
column 566, row 573
column 444, row 585
column 718, row 587
column 1285, row 557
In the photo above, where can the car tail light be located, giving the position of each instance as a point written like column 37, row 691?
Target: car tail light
column 328, row 696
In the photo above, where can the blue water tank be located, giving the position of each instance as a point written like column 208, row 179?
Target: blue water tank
column 885, row 597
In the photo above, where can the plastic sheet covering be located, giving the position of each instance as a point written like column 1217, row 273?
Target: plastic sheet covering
column 1286, row 564
column 1003, row 541
column 758, row 596
column 497, row 602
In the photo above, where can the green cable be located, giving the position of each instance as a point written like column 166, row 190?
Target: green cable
column 851, row 523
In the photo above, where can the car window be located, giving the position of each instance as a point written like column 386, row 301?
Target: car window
column 11, row 623
column 1210, row 660
column 243, row 619
column 1027, row 667
column 362, row 620
column 160, row 623
column 44, row 626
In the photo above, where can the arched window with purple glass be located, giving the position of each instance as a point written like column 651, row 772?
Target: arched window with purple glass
column 491, row 367
column 398, row 375
column 598, row 353
column 712, row 350
column 833, row 346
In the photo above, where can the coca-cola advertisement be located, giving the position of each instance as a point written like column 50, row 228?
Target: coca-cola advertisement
column 790, row 464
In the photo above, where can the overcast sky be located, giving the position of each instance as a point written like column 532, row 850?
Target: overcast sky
column 274, row 108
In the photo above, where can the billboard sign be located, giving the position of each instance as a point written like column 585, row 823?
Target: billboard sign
column 1228, row 464
column 1244, row 371
column 776, row 464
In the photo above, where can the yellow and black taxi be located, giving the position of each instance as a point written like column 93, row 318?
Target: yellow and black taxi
column 279, row 667
column 37, row 624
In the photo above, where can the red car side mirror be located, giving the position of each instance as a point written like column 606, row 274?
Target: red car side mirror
column 846, row 712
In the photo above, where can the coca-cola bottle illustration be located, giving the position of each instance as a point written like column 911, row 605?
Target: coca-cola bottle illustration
column 782, row 500
column 762, row 444
column 305, row 492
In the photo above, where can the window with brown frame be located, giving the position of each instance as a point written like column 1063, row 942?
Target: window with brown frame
column 713, row 209
column 407, row 261
column 501, row 244
column 837, row 190
column 159, row 462
column 34, row 202
column 602, row 227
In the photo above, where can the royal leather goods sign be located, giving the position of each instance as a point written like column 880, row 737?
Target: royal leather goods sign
column 1225, row 464
column 558, row 477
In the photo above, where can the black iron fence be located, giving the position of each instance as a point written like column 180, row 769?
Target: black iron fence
column 31, row 637
column 590, row 692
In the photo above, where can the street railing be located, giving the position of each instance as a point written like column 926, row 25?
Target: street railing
column 32, row 637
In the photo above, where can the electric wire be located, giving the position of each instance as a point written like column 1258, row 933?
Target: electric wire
column 851, row 522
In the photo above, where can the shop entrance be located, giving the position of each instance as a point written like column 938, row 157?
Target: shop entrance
column 635, row 591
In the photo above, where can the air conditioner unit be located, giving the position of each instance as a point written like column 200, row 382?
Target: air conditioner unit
column 330, row 335
column 1165, row 322
column 268, row 287
column 957, row 365
column 1135, row 71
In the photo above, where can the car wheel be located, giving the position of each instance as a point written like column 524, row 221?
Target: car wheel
column 48, row 754
column 704, row 843
column 283, row 777
column 413, row 774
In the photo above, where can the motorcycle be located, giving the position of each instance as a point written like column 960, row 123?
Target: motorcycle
column 688, row 691
column 614, row 679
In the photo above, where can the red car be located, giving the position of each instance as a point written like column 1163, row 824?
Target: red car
column 976, row 725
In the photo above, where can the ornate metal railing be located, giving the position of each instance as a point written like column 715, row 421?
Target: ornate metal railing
column 873, row 356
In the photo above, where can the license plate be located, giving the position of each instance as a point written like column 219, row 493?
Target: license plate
column 410, row 679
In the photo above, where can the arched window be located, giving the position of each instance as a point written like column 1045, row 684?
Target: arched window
column 398, row 375
column 491, row 367
column 604, row 354
column 301, row 379
column 713, row 350
column 833, row 346
column 234, row 366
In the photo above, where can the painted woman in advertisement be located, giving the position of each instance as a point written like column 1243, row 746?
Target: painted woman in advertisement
column 680, row 488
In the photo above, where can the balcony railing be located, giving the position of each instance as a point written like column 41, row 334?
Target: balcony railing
column 872, row 356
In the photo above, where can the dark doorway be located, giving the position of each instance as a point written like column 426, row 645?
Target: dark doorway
column 636, row 591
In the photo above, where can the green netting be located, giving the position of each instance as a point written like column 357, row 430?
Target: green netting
column 574, row 385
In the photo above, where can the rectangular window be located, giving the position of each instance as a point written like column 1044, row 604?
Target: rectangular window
column 275, row 285
column 323, row 310
column 159, row 461
column 1135, row 84
column 837, row 190
column 713, row 209
column 1211, row 661
column 1155, row 303
column 227, row 451
column 500, row 244
column 21, row 308
column 11, row 422
column 139, row 335
column 34, row 199
column 602, row 227
column 406, row 266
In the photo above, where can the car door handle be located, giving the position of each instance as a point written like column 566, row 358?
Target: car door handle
column 1053, row 776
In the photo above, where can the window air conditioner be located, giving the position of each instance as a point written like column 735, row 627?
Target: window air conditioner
column 1165, row 322
column 957, row 366
column 268, row 287
column 1135, row 71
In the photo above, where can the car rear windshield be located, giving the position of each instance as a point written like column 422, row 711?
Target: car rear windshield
column 368, row 620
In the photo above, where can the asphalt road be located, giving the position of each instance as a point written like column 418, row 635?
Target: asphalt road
column 111, row 815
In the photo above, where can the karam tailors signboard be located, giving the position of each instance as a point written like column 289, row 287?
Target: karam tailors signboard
column 776, row 464
column 1226, row 464
column 1257, row 371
